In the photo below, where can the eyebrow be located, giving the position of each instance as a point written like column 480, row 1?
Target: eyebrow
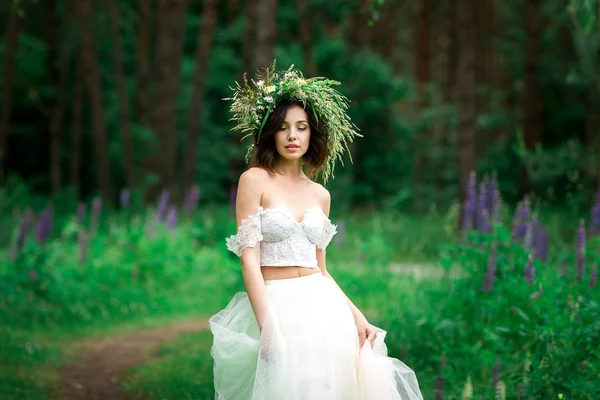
column 302, row 120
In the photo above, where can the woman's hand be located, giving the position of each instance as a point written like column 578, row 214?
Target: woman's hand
column 365, row 330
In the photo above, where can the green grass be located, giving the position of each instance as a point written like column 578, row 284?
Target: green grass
column 183, row 370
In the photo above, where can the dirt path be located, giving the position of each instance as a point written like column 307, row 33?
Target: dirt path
column 99, row 367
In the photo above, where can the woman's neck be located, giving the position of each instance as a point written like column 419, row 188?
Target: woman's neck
column 290, row 169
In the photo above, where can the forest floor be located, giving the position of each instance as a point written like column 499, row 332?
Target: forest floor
column 99, row 366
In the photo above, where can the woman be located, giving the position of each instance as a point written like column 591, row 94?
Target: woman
column 294, row 334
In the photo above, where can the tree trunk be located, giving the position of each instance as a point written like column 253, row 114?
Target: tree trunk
column 203, row 48
column 532, row 107
column 126, row 136
column 304, row 28
column 12, row 35
column 142, row 98
column 423, row 77
column 171, row 23
column 267, row 32
column 448, row 87
column 78, row 100
column 92, row 79
column 466, row 93
column 57, row 65
column 250, row 37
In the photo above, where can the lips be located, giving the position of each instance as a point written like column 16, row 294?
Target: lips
column 292, row 146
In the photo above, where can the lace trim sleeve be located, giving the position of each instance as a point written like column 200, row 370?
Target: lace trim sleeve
column 329, row 230
column 248, row 234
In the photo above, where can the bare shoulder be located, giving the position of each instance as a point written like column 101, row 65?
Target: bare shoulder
column 253, row 176
column 250, row 191
column 324, row 197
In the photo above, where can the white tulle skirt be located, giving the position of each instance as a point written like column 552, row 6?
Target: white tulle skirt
column 308, row 349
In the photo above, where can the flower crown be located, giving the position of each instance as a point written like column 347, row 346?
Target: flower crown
column 252, row 106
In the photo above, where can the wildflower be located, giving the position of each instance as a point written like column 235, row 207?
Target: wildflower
column 191, row 200
column 482, row 206
column 260, row 83
column 301, row 82
column 280, row 92
column 172, row 218
column 581, row 250
column 269, row 99
column 529, row 271
column 595, row 220
column 125, row 198
column 163, row 204
column 270, row 89
column 44, row 227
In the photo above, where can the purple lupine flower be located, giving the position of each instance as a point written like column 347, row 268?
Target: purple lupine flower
column 492, row 193
column 83, row 246
column 529, row 271
column 341, row 229
column 440, row 382
column 593, row 276
column 595, row 220
column 482, row 205
column 472, row 199
column 191, row 200
column 163, row 205
column 522, row 216
column 484, row 222
column 81, row 211
column 44, row 227
column 172, row 218
column 542, row 243
column 581, row 243
column 125, row 198
column 534, row 235
column 492, row 267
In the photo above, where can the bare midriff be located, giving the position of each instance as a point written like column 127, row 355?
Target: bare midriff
column 270, row 273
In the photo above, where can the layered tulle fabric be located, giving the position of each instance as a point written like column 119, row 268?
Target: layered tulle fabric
column 308, row 349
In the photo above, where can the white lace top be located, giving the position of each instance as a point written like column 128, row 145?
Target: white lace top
column 283, row 240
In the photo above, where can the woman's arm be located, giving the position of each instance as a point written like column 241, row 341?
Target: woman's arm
column 249, row 194
column 364, row 329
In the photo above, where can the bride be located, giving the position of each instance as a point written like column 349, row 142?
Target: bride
column 294, row 334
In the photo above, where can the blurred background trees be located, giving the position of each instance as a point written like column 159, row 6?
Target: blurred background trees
column 97, row 96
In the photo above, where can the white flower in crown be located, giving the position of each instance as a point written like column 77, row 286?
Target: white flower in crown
column 270, row 89
column 260, row 83
column 269, row 99
column 301, row 82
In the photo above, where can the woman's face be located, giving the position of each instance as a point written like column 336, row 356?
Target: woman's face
column 293, row 137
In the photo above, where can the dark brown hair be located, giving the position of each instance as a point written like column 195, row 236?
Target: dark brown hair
column 264, row 153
